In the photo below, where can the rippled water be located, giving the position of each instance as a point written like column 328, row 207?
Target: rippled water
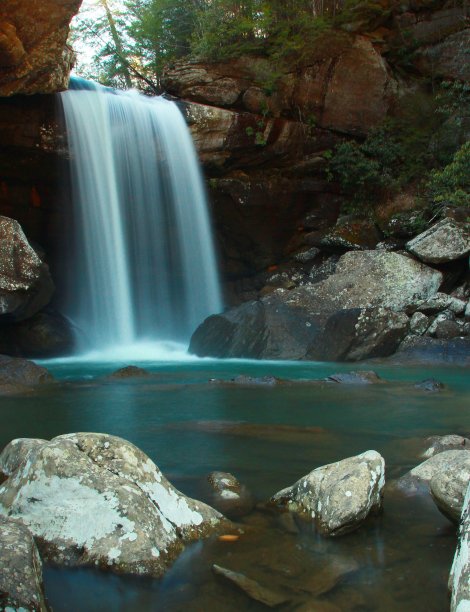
column 268, row 437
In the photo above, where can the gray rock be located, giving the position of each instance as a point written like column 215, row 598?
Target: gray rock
column 419, row 323
column 15, row 452
column 448, row 489
column 361, row 377
column 440, row 302
column 459, row 579
column 337, row 497
column 438, row 444
column 417, row 349
column 21, row 586
column 445, row 316
column 353, row 314
column 19, row 375
column 25, row 282
column 229, row 496
column 446, row 330
column 306, row 256
column 446, row 241
column 419, row 478
column 97, row 499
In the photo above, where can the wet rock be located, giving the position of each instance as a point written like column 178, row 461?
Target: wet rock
column 438, row 444
column 265, row 595
column 229, row 496
column 430, row 384
column 46, row 334
column 21, row 586
column 446, row 241
column 448, row 490
column 18, row 375
column 459, row 579
column 418, row 479
column 25, row 283
column 361, row 377
column 15, row 452
column 337, row 497
column 34, row 56
column 97, row 499
column 324, row 581
column 129, row 372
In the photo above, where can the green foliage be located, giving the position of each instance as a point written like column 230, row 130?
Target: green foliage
column 451, row 185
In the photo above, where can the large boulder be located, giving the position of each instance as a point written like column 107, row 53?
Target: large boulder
column 450, row 462
column 21, row 586
column 338, row 497
column 459, row 579
column 352, row 314
column 97, row 499
column 34, row 56
column 446, row 241
column 448, row 490
column 25, row 283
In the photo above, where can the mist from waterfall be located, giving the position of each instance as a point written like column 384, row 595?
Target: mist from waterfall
column 143, row 266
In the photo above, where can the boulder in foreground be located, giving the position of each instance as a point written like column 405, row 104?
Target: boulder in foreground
column 97, row 499
column 338, row 497
column 459, row 580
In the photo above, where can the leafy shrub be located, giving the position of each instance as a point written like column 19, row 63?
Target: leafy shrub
column 451, row 185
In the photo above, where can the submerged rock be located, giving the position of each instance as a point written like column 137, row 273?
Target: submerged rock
column 446, row 241
column 19, row 375
column 459, row 580
column 265, row 595
column 430, row 384
column 21, row 586
column 97, row 499
column 129, row 371
column 338, row 497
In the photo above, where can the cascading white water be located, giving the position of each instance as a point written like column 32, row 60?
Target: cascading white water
column 144, row 266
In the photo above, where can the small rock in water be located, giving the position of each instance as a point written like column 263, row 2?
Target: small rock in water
column 229, row 496
column 439, row 444
column 129, row 372
column 430, row 384
column 361, row 377
column 254, row 590
column 329, row 577
column 338, row 497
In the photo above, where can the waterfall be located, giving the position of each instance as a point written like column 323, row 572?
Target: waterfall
column 143, row 266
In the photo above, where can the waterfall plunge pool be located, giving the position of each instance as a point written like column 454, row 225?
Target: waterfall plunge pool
column 268, row 437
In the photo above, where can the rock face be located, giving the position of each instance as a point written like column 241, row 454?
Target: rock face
column 19, row 375
column 353, row 314
column 34, row 57
column 459, row 580
column 97, row 499
column 446, row 241
column 339, row 496
column 25, row 282
column 21, row 585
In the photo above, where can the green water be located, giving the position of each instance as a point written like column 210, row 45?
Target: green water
column 190, row 427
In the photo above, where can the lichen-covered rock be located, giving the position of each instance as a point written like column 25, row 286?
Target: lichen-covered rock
column 337, row 497
column 418, row 479
column 439, row 302
column 18, row 375
column 15, row 452
column 34, row 56
column 97, row 499
column 448, row 489
column 21, row 585
column 419, row 323
column 459, row 579
column 446, row 241
column 25, row 283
